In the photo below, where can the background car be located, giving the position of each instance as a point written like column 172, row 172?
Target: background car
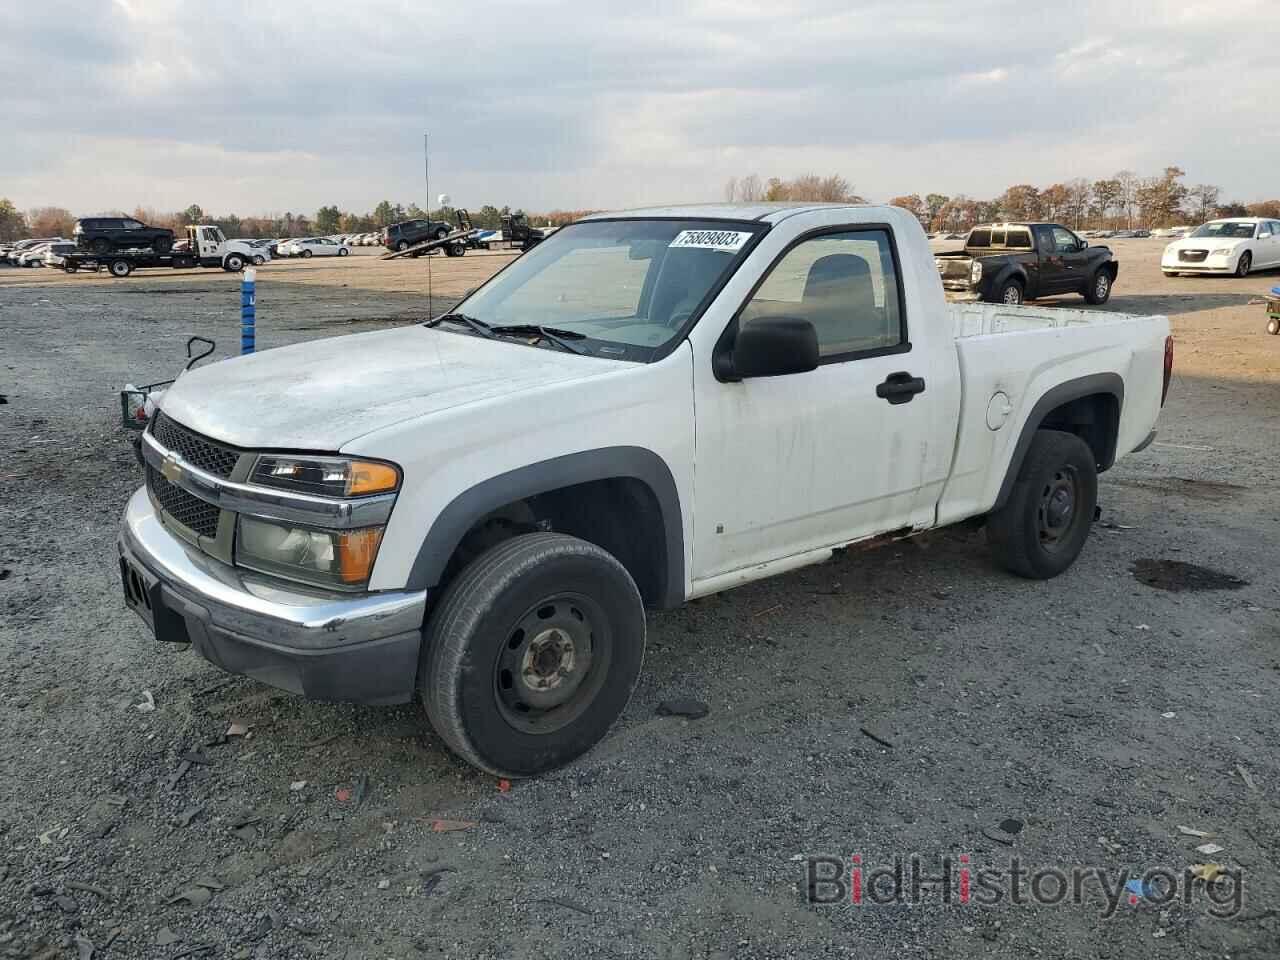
column 1232, row 245
column 55, row 253
column 106, row 234
column 318, row 247
column 33, row 256
column 22, row 246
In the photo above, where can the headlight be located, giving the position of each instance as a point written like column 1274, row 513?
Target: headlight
column 335, row 558
column 975, row 272
column 326, row 476
column 1223, row 252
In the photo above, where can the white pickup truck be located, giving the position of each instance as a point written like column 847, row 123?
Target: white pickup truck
column 645, row 408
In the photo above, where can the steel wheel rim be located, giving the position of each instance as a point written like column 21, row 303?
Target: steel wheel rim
column 552, row 663
column 1012, row 295
column 1242, row 268
column 1102, row 286
column 1056, row 512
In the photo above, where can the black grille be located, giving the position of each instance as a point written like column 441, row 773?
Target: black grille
column 198, row 451
column 190, row 511
column 1193, row 256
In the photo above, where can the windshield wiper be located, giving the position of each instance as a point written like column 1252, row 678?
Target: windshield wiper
column 479, row 326
column 549, row 334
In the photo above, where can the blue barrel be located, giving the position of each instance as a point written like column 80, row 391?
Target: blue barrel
column 248, row 317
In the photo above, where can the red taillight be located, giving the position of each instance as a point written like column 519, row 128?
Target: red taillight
column 1168, row 368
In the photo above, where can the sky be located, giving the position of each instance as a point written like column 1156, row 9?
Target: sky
column 263, row 107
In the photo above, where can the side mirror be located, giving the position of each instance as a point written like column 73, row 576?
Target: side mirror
column 770, row 347
column 1082, row 244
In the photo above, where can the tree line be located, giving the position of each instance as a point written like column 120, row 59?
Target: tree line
column 327, row 221
column 1124, row 200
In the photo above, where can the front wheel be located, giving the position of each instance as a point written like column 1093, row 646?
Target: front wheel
column 343, row 251
column 1042, row 527
column 402, row 246
column 259, row 259
column 1273, row 326
column 234, row 263
column 441, row 233
column 532, row 654
column 1098, row 289
column 1246, row 262
column 120, row 268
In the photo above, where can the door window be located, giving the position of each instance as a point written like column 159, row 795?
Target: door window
column 845, row 284
column 1064, row 240
column 130, row 225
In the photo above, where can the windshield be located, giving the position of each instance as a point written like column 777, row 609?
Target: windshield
column 1225, row 229
column 628, row 287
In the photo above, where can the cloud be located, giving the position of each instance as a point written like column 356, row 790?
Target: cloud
column 256, row 107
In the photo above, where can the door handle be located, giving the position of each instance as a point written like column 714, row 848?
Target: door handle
column 900, row 387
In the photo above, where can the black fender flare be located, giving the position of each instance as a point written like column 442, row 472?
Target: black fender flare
column 1107, row 383
column 605, row 463
column 998, row 279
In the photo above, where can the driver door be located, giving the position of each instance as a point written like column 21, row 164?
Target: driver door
column 791, row 464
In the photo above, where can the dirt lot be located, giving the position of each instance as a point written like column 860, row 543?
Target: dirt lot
column 1074, row 723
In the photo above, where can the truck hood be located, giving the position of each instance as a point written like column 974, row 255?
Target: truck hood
column 323, row 394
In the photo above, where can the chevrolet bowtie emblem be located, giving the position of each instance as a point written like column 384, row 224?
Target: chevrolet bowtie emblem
column 171, row 469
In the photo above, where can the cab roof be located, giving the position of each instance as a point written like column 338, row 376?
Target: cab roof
column 766, row 212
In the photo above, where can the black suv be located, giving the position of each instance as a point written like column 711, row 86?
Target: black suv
column 402, row 236
column 105, row 234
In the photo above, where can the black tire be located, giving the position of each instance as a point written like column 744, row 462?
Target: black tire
column 402, row 246
column 1098, row 289
column 1042, row 527
column 234, row 263
column 1244, row 264
column 259, row 259
column 343, row 251
column 120, row 268
column 101, row 245
column 441, row 233
column 1273, row 326
column 70, row 267
column 470, row 678
column 308, row 254
column 162, row 245
column 1010, row 293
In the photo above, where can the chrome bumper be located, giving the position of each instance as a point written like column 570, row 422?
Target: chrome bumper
column 326, row 646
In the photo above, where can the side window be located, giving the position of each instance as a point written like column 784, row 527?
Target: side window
column 979, row 238
column 130, row 225
column 1264, row 229
column 845, row 284
column 997, row 238
column 1064, row 240
column 1019, row 239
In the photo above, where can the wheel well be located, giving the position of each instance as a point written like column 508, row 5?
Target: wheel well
column 620, row 515
column 1095, row 419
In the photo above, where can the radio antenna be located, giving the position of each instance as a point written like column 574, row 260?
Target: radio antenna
column 426, row 176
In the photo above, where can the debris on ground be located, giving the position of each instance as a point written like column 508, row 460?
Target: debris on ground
column 189, row 814
column 999, row 836
column 1168, row 714
column 237, row 730
column 84, row 947
column 684, row 707
column 297, row 786
column 1246, row 777
column 166, row 937
column 1011, row 826
column 88, row 888
column 1191, row 832
column 194, row 895
column 432, row 878
column 1208, row 849
column 178, row 774
column 384, row 884
column 504, row 786
column 1208, row 872
column 148, row 704
column 878, row 738
column 451, row 826
column 342, row 794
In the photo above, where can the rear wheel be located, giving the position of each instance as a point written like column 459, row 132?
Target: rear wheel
column 441, row 233
column 532, row 654
column 1246, row 262
column 120, row 268
column 1010, row 293
column 343, row 251
column 1273, row 326
column 70, row 267
column 259, row 259
column 402, row 246
column 1042, row 527
column 307, row 254
column 1098, row 289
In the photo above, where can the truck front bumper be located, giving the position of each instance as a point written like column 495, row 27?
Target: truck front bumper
column 326, row 646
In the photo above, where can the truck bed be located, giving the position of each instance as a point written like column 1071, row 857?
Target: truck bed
column 1011, row 356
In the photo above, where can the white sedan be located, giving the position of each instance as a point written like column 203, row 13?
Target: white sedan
column 318, row 247
column 1236, row 245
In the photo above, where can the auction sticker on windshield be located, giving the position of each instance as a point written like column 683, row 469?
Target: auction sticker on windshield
column 730, row 241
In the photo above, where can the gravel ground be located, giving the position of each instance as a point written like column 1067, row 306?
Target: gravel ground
column 911, row 700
